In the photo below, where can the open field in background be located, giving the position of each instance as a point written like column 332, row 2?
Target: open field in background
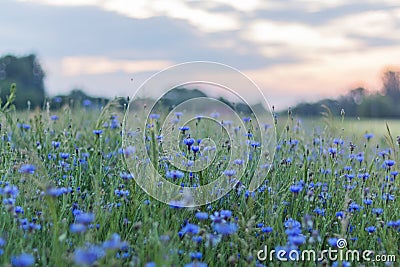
column 68, row 198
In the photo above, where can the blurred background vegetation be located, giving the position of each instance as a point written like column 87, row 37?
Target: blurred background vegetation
column 27, row 73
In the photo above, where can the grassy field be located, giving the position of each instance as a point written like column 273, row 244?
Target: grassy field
column 69, row 199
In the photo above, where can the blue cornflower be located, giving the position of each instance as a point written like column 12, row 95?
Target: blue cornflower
column 114, row 242
column 293, row 231
column 87, row 103
column 368, row 136
column 85, row 218
column 201, row 215
column 297, row 240
column 390, row 162
column 175, row 174
column 377, row 211
column 190, row 228
column 197, row 239
column 360, row 157
column 225, row 214
column 333, row 242
column 295, row 188
column 214, row 115
column 195, row 149
column 196, row 264
column 126, row 176
column 54, row 117
column 370, row 229
column 229, row 173
column 183, row 129
column 332, row 151
column 89, row 255
column 19, row 210
column 188, row 141
column 77, row 228
column 354, row 207
column 246, row 119
column 255, row 144
column 338, row 141
column 97, row 132
column 227, row 228
column 27, row 168
column 267, row 229
column 343, row 264
column 10, row 190
column 238, row 161
column 291, row 223
column 340, row 214
column 368, row 201
column 64, row 155
column 154, row 116
column 23, row 260
column 196, row 255
column 55, row 144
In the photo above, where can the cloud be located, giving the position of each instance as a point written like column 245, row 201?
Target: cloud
column 203, row 19
column 72, row 66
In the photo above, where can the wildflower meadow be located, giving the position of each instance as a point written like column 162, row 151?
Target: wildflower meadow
column 71, row 190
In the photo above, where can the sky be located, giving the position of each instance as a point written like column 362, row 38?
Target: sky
column 294, row 50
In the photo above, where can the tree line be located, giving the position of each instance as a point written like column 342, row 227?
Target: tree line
column 359, row 102
column 27, row 73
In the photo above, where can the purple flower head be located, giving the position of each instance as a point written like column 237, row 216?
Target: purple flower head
column 54, row 117
column 195, row 149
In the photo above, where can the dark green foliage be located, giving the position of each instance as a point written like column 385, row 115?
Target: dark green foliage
column 27, row 74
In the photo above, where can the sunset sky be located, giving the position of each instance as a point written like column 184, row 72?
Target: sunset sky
column 293, row 50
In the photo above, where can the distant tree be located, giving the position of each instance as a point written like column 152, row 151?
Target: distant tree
column 27, row 74
column 391, row 84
